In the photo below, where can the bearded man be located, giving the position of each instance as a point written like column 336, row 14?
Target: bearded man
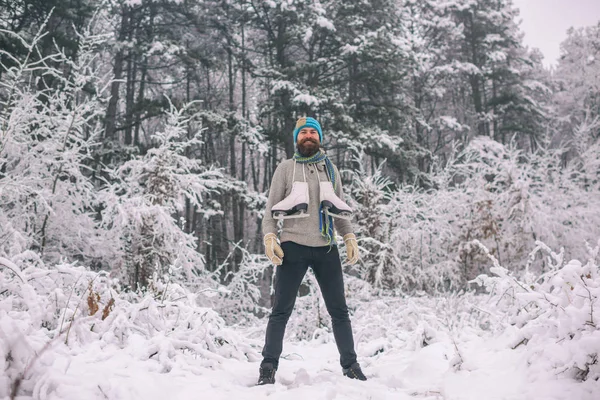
column 306, row 192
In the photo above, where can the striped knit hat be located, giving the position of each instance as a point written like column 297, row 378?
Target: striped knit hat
column 307, row 122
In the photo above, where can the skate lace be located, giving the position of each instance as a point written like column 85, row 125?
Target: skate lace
column 294, row 172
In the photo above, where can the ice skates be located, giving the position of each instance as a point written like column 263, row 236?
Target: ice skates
column 293, row 206
column 333, row 205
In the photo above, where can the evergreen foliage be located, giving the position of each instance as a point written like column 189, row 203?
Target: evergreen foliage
column 141, row 136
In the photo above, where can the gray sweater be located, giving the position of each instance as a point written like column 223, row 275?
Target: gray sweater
column 304, row 231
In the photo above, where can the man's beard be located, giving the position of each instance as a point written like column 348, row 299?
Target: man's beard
column 308, row 148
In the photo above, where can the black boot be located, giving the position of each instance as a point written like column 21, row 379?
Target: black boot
column 267, row 374
column 354, row 372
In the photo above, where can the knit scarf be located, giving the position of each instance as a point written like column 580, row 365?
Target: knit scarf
column 325, row 220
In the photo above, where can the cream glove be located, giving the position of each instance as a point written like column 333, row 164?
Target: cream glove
column 351, row 248
column 272, row 249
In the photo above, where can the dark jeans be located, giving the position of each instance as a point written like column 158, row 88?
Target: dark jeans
column 325, row 262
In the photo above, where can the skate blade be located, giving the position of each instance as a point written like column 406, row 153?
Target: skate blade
column 346, row 216
column 291, row 216
column 343, row 215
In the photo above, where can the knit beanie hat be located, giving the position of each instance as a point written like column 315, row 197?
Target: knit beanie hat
column 307, row 122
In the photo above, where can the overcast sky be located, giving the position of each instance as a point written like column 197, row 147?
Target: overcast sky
column 545, row 22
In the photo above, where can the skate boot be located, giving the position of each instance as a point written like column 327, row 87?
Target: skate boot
column 293, row 206
column 332, row 204
column 267, row 374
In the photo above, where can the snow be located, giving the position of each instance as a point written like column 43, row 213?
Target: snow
column 67, row 332
column 497, row 56
column 450, row 123
column 171, row 346
column 118, row 374
column 466, row 67
column 156, row 47
column 307, row 36
column 349, row 49
column 305, row 98
column 387, row 141
column 491, row 372
column 325, row 23
column 282, row 86
column 288, row 5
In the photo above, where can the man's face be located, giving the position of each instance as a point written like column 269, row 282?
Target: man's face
column 308, row 142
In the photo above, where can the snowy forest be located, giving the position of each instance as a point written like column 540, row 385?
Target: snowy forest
column 138, row 139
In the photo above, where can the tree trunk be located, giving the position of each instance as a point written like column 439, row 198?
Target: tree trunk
column 242, row 213
column 237, row 234
column 111, row 111
column 130, row 97
column 140, row 104
column 475, row 79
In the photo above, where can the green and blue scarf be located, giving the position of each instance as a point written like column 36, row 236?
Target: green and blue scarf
column 325, row 221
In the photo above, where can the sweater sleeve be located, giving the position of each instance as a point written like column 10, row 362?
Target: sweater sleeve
column 276, row 194
column 342, row 226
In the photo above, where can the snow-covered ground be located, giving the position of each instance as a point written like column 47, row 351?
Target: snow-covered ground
column 309, row 370
column 163, row 345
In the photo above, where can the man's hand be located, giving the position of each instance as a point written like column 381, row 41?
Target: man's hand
column 351, row 248
column 272, row 249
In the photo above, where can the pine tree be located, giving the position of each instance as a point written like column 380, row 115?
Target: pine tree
column 578, row 77
column 502, row 98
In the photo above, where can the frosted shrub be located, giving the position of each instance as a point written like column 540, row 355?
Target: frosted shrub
column 310, row 319
column 238, row 301
column 146, row 194
column 47, row 313
column 403, row 234
column 515, row 199
column 556, row 313
column 370, row 195
column 47, row 134
column 414, row 239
